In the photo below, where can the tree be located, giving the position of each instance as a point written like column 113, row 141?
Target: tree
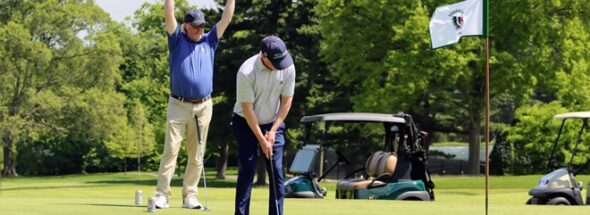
column 532, row 137
column 67, row 66
column 17, row 71
column 556, row 50
column 144, row 137
column 135, row 140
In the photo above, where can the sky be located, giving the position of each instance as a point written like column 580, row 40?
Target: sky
column 119, row 9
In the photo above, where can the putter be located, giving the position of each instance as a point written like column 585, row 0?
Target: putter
column 274, row 183
column 203, row 207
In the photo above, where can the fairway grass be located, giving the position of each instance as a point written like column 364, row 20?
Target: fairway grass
column 113, row 193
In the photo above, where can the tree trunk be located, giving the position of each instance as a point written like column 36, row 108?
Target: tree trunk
column 474, row 143
column 9, row 164
column 139, row 166
column 222, row 161
column 9, row 149
column 125, row 166
column 138, row 163
column 260, row 171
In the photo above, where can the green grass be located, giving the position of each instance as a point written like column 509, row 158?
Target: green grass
column 113, row 194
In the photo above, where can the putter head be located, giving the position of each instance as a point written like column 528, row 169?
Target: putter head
column 204, row 208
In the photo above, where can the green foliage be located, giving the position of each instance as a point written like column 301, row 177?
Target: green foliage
column 69, row 131
column 145, row 81
column 531, row 139
column 144, row 136
column 554, row 43
column 553, row 53
column 574, row 90
column 60, row 67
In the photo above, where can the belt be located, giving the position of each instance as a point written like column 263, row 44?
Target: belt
column 194, row 101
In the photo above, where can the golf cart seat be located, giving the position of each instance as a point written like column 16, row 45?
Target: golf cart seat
column 382, row 183
column 379, row 167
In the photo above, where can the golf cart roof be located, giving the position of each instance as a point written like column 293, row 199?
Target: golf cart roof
column 579, row 115
column 360, row 117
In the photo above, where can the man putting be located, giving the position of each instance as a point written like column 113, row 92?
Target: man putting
column 264, row 92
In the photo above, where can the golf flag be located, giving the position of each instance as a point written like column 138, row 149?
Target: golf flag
column 451, row 22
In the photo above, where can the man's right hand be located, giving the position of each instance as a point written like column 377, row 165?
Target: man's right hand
column 266, row 148
column 265, row 145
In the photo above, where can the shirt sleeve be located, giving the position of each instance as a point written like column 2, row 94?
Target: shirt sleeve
column 289, row 87
column 212, row 38
column 174, row 37
column 244, row 88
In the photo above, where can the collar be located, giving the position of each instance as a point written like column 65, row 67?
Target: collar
column 260, row 66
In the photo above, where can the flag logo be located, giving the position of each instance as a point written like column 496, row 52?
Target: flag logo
column 458, row 19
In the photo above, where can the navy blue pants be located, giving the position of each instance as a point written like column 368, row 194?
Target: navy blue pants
column 248, row 148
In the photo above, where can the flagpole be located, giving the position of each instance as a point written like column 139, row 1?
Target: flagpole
column 487, row 46
column 444, row 32
column 487, row 118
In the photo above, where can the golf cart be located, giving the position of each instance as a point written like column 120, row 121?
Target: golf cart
column 560, row 186
column 398, row 171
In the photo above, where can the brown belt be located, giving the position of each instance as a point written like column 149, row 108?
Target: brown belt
column 194, row 101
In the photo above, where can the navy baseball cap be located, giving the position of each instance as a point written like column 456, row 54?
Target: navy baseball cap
column 195, row 17
column 275, row 50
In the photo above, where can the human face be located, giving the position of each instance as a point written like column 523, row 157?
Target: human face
column 267, row 62
column 194, row 32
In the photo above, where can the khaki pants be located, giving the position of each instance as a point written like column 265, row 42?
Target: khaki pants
column 180, row 120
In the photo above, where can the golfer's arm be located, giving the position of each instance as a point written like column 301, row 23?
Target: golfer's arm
column 169, row 16
column 226, row 16
column 284, row 108
column 248, row 109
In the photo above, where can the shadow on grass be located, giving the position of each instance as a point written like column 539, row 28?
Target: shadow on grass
column 175, row 182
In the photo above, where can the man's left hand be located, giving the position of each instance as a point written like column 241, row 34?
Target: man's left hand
column 270, row 136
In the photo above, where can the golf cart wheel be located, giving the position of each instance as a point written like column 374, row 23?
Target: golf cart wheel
column 558, row 201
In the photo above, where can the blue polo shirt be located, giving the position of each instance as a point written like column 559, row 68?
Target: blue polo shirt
column 191, row 64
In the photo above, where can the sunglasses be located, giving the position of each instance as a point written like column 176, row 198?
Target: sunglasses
column 198, row 26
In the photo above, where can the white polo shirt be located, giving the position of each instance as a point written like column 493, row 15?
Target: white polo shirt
column 263, row 88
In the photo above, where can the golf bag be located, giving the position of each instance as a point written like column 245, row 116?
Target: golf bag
column 419, row 156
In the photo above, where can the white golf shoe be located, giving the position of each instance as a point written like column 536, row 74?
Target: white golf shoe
column 161, row 201
column 191, row 202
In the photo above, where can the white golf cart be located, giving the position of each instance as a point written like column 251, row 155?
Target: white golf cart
column 560, row 186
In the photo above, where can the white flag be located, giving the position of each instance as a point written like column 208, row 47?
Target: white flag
column 450, row 22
